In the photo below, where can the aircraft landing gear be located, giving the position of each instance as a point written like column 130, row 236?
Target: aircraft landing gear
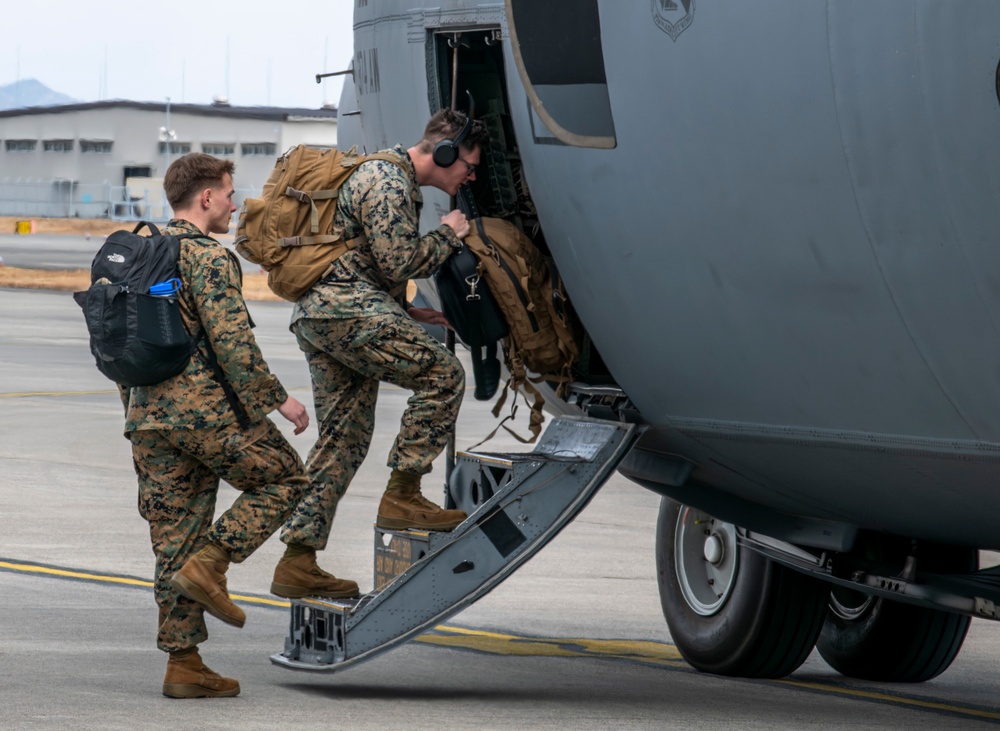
column 730, row 610
column 879, row 639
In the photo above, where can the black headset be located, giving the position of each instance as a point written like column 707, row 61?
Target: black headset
column 446, row 151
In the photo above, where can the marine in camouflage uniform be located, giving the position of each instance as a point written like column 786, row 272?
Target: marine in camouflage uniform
column 186, row 436
column 355, row 332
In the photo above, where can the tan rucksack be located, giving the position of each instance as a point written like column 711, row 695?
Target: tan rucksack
column 289, row 230
column 541, row 345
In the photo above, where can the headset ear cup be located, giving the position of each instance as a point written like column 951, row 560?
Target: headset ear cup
column 445, row 153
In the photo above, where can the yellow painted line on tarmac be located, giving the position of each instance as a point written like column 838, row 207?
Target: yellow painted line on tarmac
column 656, row 654
column 496, row 643
column 261, row 600
column 645, row 652
column 894, row 699
column 70, row 574
column 126, row 580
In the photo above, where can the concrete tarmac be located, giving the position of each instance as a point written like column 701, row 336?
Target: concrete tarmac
column 575, row 639
column 50, row 251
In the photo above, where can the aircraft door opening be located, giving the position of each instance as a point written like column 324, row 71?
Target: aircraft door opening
column 471, row 60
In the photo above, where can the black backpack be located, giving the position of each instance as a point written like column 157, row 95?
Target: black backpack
column 132, row 311
column 470, row 308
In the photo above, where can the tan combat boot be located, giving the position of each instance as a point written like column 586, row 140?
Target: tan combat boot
column 203, row 579
column 404, row 507
column 299, row 576
column 188, row 677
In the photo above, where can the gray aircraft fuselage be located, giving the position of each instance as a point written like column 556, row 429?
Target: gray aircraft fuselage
column 778, row 223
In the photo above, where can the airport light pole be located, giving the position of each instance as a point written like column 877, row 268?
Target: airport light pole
column 167, row 136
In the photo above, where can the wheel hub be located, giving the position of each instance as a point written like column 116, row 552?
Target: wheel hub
column 715, row 550
column 706, row 560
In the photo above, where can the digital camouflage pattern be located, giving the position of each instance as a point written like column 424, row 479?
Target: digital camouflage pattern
column 185, row 438
column 347, row 360
column 382, row 201
column 211, row 303
column 179, row 473
column 354, row 332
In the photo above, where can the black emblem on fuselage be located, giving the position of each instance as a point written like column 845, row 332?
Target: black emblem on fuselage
column 673, row 16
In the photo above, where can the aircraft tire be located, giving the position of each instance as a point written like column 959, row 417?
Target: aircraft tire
column 879, row 639
column 766, row 617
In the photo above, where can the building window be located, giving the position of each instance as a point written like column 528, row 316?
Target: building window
column 218, row 148
column 57, row 145
column 137, row 171
column 176, row 148
column 101, row 147
column 257, row 149
column 21, row 145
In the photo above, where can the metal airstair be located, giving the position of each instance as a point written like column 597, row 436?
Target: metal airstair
column 516, row 502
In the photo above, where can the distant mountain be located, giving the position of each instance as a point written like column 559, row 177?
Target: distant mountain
column 30, row 93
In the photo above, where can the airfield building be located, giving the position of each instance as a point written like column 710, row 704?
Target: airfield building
column 107, row 159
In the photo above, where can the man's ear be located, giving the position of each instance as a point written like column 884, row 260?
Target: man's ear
column 206, row 198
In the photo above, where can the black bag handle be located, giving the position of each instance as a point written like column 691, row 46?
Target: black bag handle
column 152, row 228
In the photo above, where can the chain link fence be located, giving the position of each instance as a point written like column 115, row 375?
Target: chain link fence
column 68, row 199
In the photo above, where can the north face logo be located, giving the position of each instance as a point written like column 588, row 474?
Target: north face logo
column 116, row 258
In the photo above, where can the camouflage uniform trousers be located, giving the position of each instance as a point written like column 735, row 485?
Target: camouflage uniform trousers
column 347, row 360
column 179, row 472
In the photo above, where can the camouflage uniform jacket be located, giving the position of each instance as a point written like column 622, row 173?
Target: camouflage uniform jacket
column 211, row 303
column 381, row 201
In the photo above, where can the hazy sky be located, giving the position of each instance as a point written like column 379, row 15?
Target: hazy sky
column 147, row 51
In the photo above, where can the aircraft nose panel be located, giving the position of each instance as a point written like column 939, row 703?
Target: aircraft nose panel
column 921, row 139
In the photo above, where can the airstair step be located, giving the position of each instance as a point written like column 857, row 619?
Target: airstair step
column 516, row 504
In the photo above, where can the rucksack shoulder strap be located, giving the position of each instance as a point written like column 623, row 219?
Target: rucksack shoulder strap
column 387, row 156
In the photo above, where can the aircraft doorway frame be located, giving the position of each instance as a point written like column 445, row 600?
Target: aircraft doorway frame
column 499, row 190
column 501, row 187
